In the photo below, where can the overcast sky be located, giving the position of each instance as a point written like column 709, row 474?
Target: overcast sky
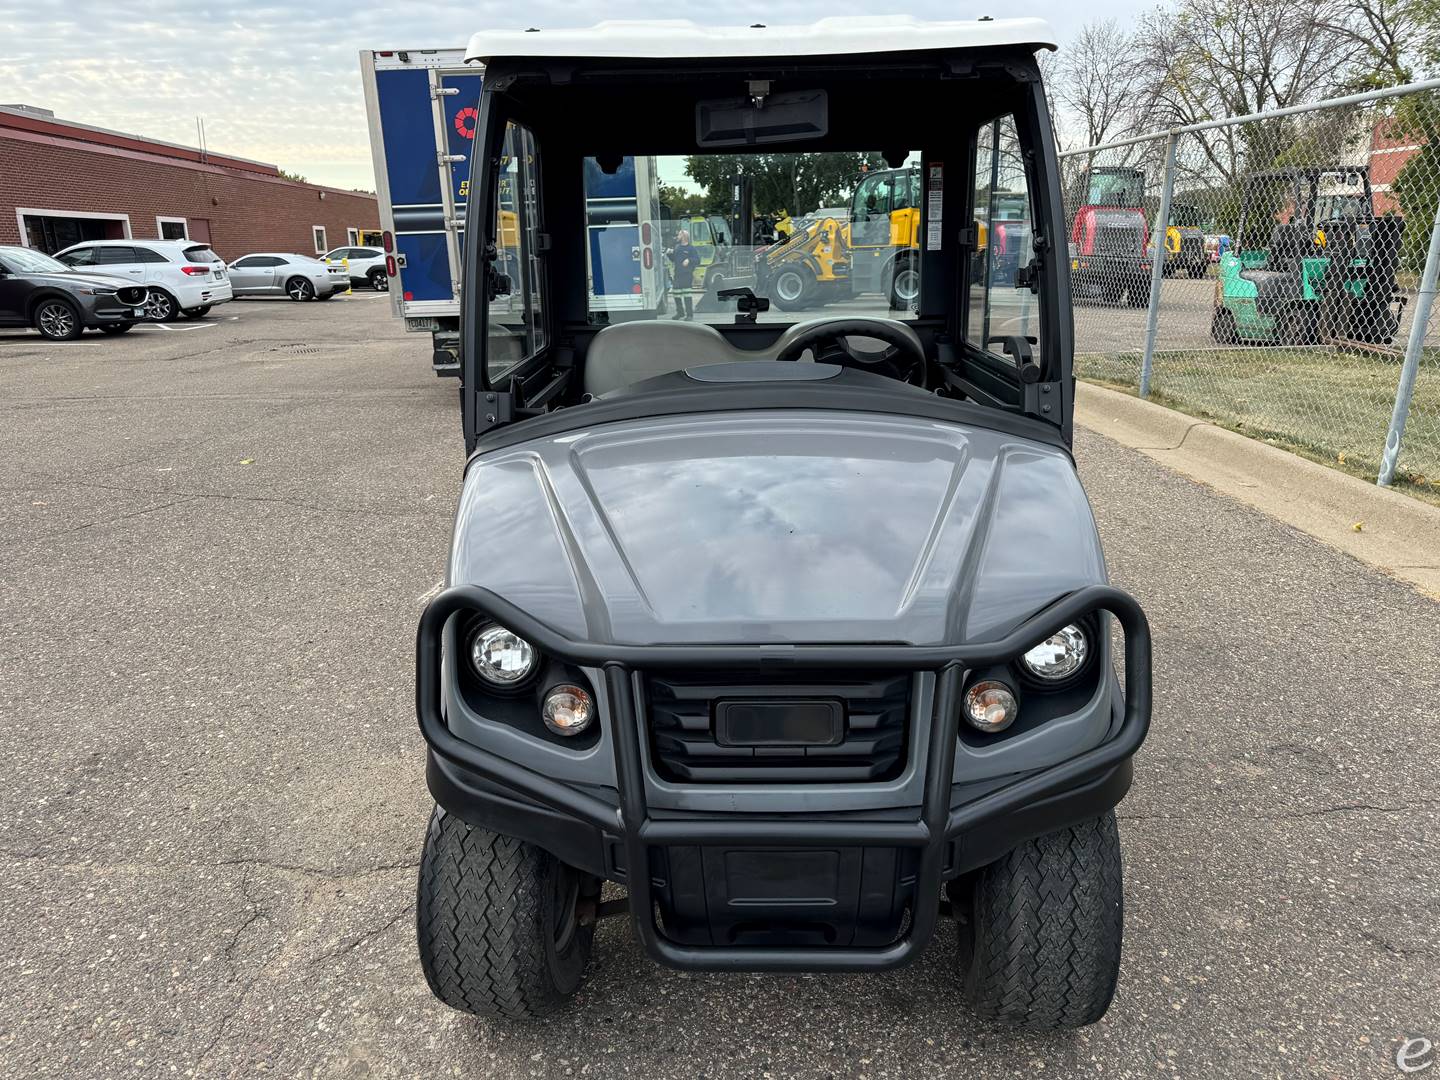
column 281, row 83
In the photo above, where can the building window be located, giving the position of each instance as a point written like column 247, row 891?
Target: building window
column 352, row 237
column 320, row 244
column 54, row 230
column 172, row 228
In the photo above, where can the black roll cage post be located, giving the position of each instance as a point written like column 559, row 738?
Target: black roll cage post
column 483, row 406
column 1046, row 388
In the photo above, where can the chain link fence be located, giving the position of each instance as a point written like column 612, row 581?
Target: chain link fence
column 1268, row 272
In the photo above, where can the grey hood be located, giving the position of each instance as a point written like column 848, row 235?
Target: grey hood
column 777, row 526
column 84, row 280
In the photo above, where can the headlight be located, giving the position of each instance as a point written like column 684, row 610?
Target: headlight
column 501, row 657
column 567, row 710
column 1059, row 656
column 991, row 706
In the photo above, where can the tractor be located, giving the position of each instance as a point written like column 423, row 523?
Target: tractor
column 869, row 247
column 1108, row 245
column 1311, row 262
column 1185, row 242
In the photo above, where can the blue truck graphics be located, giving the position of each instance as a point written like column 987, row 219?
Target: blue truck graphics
column 422, row 106
column 422, row 110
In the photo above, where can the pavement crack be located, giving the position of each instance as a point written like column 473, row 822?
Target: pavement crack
column 72, row 530
column 354, row 943
column 321, row 872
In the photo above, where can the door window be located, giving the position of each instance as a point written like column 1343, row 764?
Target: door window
column 116, row 256
column 871, row 224
column 1000, row 306
column 516, row 330
column 79, row 257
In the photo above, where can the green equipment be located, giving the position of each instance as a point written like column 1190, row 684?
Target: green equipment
column 1311, row 262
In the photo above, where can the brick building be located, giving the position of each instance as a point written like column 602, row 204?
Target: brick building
column 1391, row 149
column 61, row 183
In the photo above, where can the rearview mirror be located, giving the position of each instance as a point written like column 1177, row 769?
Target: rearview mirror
column 748, row 121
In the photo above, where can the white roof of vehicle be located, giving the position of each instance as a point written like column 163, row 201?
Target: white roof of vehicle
column 836, row 36
column 140, row 241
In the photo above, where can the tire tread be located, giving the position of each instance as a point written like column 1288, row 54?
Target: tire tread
column 480, row 922
column 1048, row 920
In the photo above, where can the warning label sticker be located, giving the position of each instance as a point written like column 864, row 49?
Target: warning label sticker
column 934, row 206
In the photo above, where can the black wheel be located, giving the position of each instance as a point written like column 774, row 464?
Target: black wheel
column 299, row 289
column 196, row 312
column 160, row 306
column 1222, row 327
column 1137, row 294
column 378, row 280
column 792, row 289
column 499, row 922
column 1111, row 292
column 1040, row 937
column 115, row 327
column 1197, row 270
column 904, row 284
column 57, row 319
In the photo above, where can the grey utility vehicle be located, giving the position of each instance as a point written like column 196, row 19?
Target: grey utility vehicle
column 798, row 631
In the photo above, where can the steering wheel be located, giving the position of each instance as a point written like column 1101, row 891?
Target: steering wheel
column 902, row 359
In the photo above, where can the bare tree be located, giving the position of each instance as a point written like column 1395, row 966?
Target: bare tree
column 1213, row 58
column 1098, row 84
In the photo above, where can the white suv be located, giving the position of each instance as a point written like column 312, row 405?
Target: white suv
column 366, row 264
column 184, row 277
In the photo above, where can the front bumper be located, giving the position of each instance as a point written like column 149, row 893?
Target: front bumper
column 1095, row 274
column 105, row 309
column 584, row 826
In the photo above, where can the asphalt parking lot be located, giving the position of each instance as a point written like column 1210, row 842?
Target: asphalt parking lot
column 216, row 539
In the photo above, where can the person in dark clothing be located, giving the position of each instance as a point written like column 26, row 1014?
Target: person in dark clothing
column 685, row 259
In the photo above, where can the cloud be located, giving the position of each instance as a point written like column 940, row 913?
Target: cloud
column 281, row 82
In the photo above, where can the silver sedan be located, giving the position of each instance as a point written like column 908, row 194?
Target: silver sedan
column 273, row 273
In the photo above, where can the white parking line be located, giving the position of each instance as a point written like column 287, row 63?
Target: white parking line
column 430, row 593
column 192, row 326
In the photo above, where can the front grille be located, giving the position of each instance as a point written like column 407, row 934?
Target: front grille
column 132, row 296
column 1118, row 240
column 685, row 748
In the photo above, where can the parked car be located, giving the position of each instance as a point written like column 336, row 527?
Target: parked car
column 366, row 265
column 38, row 291
column 277, row 273
column 184, row 277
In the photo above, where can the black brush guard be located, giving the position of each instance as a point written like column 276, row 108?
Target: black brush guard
column 931, row 832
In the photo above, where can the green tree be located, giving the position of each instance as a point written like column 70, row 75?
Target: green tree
column 795, row 183
column 681, row 203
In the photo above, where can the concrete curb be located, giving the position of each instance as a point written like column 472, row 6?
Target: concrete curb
column 1397, row 534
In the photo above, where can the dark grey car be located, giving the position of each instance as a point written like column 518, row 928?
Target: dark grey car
column 38, row 291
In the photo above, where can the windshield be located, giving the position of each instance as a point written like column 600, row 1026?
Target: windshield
column 833, row 232
column 1116, row 187
column 25, row 261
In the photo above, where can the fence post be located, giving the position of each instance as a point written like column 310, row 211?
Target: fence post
column 1157, row 267
column 1413, row 348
